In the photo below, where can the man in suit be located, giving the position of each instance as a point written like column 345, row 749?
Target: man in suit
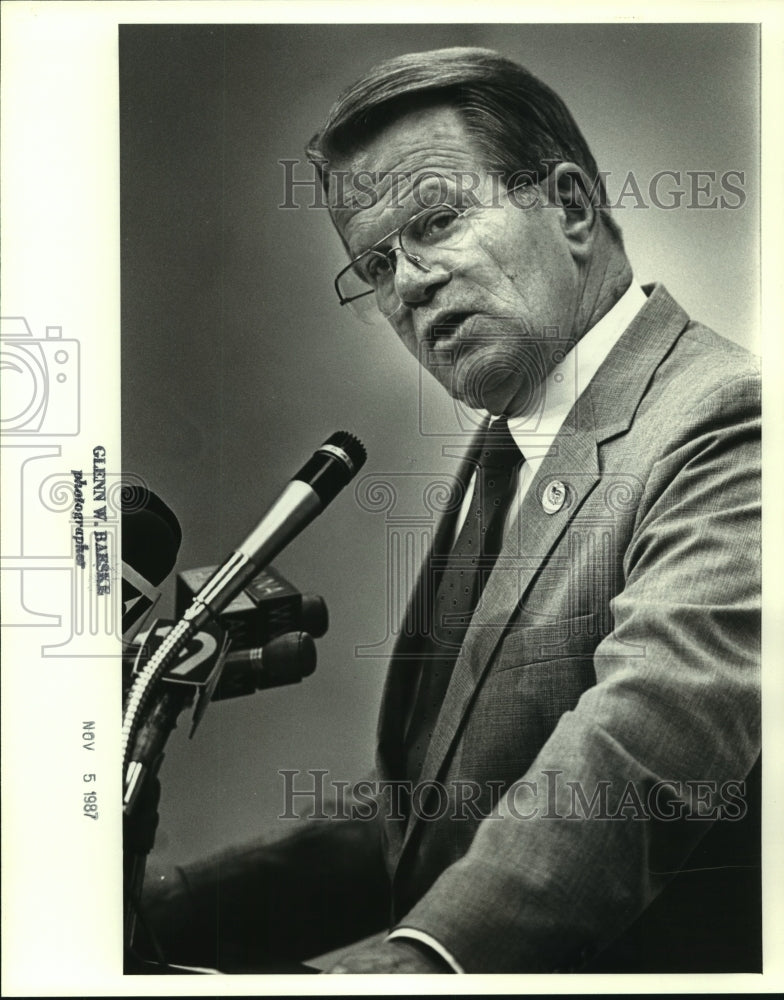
column 578, row 753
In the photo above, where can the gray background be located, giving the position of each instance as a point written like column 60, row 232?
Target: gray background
column 237, row 361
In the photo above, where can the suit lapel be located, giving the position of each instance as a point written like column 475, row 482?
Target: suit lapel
column 605, row 410
column 405, row 665
column 526, row 546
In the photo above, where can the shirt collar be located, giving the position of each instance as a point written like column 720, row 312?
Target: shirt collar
column 534, row 434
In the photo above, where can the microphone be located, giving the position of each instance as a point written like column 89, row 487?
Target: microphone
column 265, row 608
column 317, row 483
column 151, row 537
column 285, row 660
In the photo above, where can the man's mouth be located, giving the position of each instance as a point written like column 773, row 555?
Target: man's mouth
column 446, row 326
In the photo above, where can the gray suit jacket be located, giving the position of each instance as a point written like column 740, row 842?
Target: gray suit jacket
column 616, row 646
column 601, row 718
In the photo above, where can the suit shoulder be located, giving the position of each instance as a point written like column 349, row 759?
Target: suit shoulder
column 705, row 368
column 724, row 350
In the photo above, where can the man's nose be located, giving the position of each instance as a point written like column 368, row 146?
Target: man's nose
column 416, row 282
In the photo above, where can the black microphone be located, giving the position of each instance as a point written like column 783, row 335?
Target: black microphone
column 285, row 660
column 316, row 484
column 151, row 537
column 265, row 608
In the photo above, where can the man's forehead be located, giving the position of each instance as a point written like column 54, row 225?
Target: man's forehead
column 393, row 190
column 415, row 161
column 369, row 214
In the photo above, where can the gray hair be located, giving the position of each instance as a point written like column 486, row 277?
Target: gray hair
column 519, row 123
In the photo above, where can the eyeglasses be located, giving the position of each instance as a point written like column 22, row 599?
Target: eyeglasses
column 367, row 284
column 426, row 240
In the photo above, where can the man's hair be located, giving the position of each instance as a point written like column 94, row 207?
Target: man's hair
column 520, row 125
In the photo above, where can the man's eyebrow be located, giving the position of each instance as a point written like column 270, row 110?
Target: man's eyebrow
column 387, row 233
column 415, row 202
column 364, row 247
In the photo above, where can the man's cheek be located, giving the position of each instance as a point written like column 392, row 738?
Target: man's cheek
column 447, row 368
column 409, row 341
column 484, row 375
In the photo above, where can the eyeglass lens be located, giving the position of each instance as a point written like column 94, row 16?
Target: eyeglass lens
column 427, row 241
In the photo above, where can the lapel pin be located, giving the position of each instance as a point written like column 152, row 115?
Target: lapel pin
column 553, row 497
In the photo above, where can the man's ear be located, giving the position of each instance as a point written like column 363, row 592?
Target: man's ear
column 570, row 189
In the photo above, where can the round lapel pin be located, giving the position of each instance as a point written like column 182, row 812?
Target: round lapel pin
column 554, row 497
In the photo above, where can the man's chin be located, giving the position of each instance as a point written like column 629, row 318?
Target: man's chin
column 489, row 390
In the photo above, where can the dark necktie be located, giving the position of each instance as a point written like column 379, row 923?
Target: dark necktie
column 467, row 568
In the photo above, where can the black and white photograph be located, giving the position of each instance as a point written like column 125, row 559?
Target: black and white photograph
column 405, row 527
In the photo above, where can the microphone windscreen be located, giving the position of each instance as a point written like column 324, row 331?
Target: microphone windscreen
column 284, row 660
column 288, row 658
column 151, row 535
column 314, row 617
column 351, row 445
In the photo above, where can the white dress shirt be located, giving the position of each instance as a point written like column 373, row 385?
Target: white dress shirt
column 534, row 436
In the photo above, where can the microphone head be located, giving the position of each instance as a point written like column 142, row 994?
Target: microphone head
column 314, row 617
column 287, row 659
column 151, row 535
column 333, row 465
column 352, row 448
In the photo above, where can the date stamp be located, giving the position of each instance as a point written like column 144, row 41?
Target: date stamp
column 90, row 795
